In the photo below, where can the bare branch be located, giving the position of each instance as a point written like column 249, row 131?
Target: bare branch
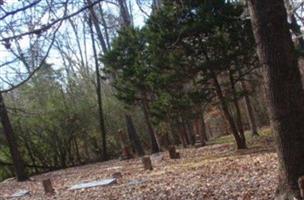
column 9, row 62
column 47, row 26
column 36, row 69
column 19, row 10
column 141, row 9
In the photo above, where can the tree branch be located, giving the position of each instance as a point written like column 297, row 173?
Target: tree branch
column 37, row 69
column 19, row 9
column 47, row 26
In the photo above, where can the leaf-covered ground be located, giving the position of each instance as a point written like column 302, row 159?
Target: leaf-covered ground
column 216, row 172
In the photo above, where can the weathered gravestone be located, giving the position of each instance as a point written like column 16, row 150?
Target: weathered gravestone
column 173, row 153
column 147, row 163
column 117, row 175
column 47, row 185
column 157, row 158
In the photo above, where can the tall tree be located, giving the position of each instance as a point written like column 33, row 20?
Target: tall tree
column 125, row 16
column 99, row 98
column 294, row 26
column 131, row 74
column 134, row 139
column 284, row 90
column 12, row 143
column 250, row 111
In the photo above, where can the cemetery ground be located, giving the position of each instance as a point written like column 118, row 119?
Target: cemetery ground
column 216, row 171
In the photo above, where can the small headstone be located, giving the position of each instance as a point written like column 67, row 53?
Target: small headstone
column 47, row 185
column 157, row 157
column 198, row 143
column 103, row 182
column 301, row 185
column 172, row 153
column 117, row 175
column 20, row 193
column 147, row 163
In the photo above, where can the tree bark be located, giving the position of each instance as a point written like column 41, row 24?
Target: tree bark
column 250, row 112
column 284, row 90
column 156, row 5
column 154, row 144
column 204, row 137
column 182, row 135
column 188, row 131
column 294, row 26
column 106, row 30
column 240, row 142
column 134, row 139
column 200, row 129
column 237, row 107
column 95, row 21
column 209, row 130
column 12, row 142
column 124, row 13
column 175, row 136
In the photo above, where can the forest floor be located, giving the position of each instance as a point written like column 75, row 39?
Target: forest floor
column 216, row 171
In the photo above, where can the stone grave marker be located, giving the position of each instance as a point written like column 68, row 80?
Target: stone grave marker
column 103, row 182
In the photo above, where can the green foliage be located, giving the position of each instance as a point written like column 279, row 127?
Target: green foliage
column 165, row 67
column 126, row 62
column 56, row 121
column 172, row 56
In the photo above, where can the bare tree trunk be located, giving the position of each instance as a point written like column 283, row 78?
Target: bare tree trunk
column 204, row 137
column 97, row 27
column 12, row 143
column 156, row 5
column 106, row 31
column 210, row 133
column 76, row 146
column 133, row 136
column 250, row 112
column 124, row 13
column 188, row 131
column 240, row 142
column 86, row 147
column 99, row 100
column 237, row 107
column 294, row 26
column 176, row 138
column 284, row 90
column 154, row 144
column 182, row 134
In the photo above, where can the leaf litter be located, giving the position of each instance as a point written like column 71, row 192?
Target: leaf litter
column 215, row 172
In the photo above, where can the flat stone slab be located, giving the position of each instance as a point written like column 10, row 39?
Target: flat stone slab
column 103, row 182
column 136, row 182
column 21, row 193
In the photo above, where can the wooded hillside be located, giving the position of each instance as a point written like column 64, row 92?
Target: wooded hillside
column 90, row 81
